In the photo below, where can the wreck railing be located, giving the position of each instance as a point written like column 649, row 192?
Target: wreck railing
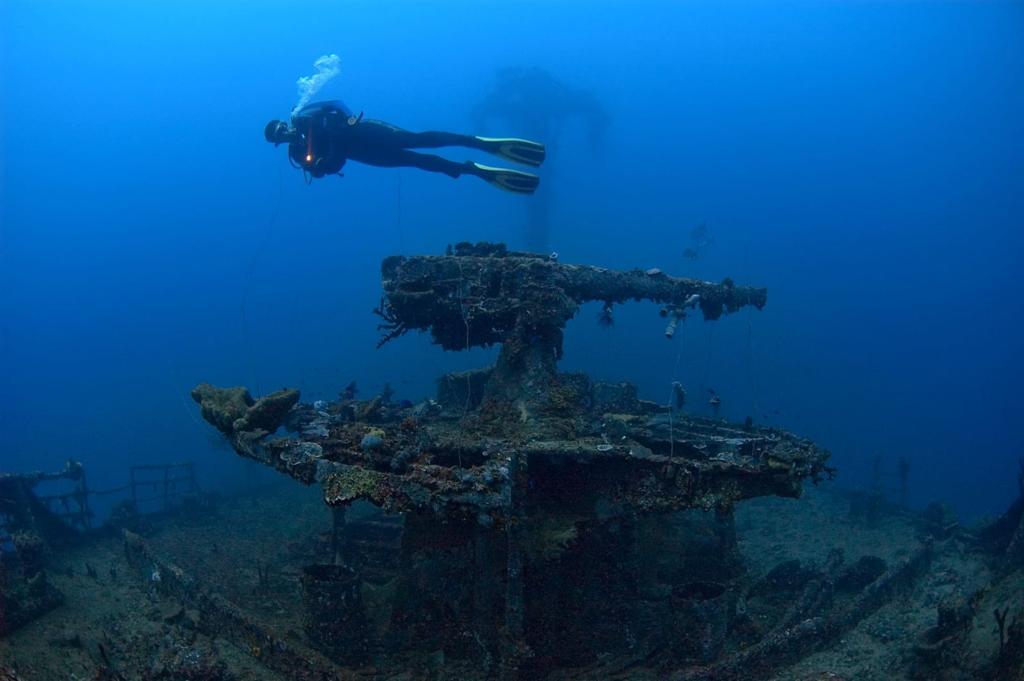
column 78, row 516
column 167, row 484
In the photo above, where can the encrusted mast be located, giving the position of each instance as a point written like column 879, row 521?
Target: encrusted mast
column 482, row 294
column 543, row 459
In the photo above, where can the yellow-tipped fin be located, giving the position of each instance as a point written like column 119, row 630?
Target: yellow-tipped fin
column 510, row 180
column 514, row 149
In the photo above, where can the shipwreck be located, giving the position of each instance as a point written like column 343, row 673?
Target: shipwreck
column 529, row 519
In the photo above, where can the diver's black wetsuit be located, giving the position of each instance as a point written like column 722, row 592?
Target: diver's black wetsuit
column 322, row 136
column 332, row 135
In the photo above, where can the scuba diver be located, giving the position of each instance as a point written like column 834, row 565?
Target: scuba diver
column 323, row 135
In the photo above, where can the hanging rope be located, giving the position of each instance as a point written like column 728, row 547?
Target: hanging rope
column 267, row 230
column 751, row 373
column 709, row 343
column 465, row 320
column 398, row 214
column 671, row 398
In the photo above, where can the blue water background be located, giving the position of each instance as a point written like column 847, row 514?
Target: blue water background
column 864, row 161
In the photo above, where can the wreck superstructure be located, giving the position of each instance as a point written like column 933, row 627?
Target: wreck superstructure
column 540, row 513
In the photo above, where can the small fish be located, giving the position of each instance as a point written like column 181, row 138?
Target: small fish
column 691, row 254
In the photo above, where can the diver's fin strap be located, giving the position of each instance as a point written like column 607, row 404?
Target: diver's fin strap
column 515, row 149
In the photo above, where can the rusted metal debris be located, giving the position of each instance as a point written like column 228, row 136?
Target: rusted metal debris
column 9, row 675
column 29, row 530
column 813, row 623
column 34, row 526
column 22, row 509
column 218, row 617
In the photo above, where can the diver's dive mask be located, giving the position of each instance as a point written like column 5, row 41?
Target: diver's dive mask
column 280, row 132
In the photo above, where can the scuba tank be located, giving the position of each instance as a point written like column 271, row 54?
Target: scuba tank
column 320, row 124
